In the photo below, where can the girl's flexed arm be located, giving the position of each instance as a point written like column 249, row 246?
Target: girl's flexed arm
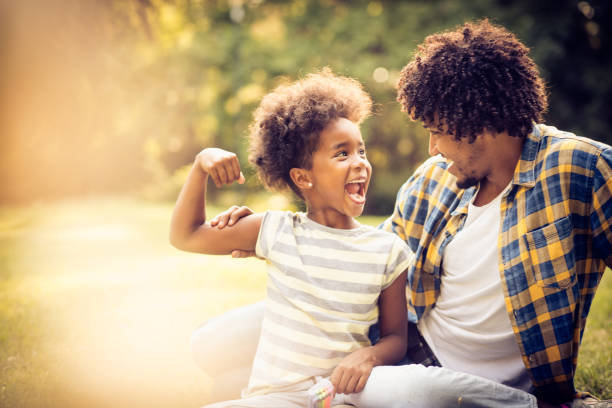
column 189, row 230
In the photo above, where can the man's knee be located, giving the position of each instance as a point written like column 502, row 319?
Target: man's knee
column 203, row 347
column 410, row 385
column 228, row 341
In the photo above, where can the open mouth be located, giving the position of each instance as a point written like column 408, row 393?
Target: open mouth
column 356, row 190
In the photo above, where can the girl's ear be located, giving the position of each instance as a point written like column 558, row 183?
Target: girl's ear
column 301, row 178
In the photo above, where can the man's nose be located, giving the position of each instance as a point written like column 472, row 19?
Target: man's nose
column 433, row 146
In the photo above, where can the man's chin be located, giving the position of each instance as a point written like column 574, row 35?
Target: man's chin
column 468, row 182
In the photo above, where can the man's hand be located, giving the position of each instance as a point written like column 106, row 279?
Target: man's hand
column 229, row 217
column 222, row 166
column 353, row 371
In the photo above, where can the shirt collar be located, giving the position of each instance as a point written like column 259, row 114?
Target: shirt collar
column 462, row 208
column 524, row 174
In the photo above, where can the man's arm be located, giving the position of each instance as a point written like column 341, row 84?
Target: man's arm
column 601, row 214
column 413, row 202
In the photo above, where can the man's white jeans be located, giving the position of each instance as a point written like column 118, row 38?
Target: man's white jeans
column 417, row 386
column 225, row 346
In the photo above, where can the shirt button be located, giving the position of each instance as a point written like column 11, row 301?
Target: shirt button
column 531, row 359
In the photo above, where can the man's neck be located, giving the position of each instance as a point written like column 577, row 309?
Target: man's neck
column 506, row 152
column 487, row 192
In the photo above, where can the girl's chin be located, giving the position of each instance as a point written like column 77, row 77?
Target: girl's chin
column 355, row 210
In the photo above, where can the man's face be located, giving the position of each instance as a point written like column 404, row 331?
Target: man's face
column 468, row 162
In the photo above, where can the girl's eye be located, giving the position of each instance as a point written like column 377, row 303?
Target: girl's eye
column 342, row 153
column 362, row 152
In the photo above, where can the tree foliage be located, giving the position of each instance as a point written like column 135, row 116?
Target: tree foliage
column 141, row 86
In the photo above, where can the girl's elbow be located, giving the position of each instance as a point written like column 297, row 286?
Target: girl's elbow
column 177, row 240
column 195, row 243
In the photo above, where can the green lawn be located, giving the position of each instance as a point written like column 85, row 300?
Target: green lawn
column 96, row 308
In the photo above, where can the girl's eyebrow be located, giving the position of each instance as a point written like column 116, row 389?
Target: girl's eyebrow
column 339, row 145
column 345, row 144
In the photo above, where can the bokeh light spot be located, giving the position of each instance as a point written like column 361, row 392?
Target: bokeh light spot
column 380, row 74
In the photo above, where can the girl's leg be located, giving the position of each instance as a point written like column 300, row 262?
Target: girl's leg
column 224, row 347
column 416, row 386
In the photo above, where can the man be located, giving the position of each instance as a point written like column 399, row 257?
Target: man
column 500, row 292
column 509, row 221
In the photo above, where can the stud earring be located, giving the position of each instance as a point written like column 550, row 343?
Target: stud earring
column 309, row 185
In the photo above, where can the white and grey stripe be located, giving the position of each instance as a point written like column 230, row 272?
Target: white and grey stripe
column 323, row 290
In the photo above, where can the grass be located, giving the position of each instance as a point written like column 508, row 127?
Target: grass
column 96, row 309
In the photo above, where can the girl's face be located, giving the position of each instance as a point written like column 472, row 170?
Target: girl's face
column 340, row 175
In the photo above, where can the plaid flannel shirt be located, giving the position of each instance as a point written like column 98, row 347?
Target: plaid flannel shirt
column 554, row 242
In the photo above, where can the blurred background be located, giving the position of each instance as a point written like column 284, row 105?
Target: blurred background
column 103, row 106
column 104, row 97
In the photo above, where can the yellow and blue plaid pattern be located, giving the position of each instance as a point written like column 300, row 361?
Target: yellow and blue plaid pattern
column 555, row 240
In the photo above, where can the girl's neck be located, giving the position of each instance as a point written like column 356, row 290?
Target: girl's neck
column 332, row 219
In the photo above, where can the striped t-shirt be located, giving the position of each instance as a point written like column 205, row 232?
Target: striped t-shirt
column 322, row 296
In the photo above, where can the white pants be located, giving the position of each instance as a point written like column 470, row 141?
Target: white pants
column 225, row 346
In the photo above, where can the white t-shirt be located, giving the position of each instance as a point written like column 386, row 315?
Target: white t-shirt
column 469, row 329
column 322, row 297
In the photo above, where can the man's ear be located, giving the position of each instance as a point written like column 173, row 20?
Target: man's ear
column 301, row 178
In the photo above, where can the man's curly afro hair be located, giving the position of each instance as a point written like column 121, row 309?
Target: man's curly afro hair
column 286, row 126
column 476, row 77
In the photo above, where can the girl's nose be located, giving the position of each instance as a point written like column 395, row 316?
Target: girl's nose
column 361, row 162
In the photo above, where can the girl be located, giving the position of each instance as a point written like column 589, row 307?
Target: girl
column 329, row 277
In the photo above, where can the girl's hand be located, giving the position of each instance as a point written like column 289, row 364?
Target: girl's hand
column 222, row 166
column 353, row 371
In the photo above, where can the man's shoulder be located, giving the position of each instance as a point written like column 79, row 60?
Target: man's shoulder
column 431, row 178
column 567, row 145
column 434, row 163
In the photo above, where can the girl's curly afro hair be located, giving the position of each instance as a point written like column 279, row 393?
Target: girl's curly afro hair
column 286, row 126
column 476, row 77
